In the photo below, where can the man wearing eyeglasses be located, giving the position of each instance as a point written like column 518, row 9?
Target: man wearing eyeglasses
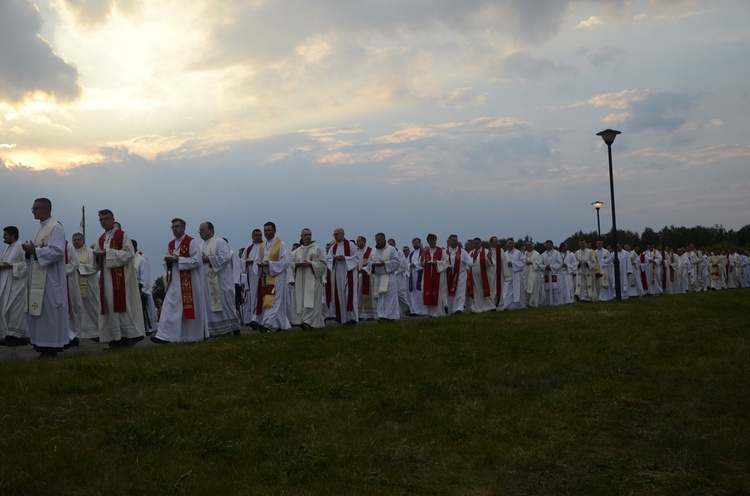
column 47, row 302
column 121, row 317
column 183, row 314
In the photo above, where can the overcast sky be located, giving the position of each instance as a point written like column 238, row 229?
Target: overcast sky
column 473, row 117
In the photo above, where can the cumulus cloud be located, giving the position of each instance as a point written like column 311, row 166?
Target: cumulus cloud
column 28, row 64
column 591, row 23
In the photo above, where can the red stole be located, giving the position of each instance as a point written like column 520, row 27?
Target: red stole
column 349, row 281
column 119, row 295
column 453, row 272
column 186, row 282
column 365, row 275
column 485, row 279
column 431, row 288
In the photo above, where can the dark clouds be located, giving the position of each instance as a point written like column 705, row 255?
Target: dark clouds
column 279, row 27
column 661, row 111
column 27, row 62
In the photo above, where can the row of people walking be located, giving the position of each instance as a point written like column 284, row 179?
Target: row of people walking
column 54, row 293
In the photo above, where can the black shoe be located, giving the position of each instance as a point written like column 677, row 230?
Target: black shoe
column 350, row 323
column 263, row 329
column 254, row 325
column 12, row 341
column 130, row 342
column 237, row 332
column 73, row 342
column 47, row 354
column 304, row 326
column 156, row 340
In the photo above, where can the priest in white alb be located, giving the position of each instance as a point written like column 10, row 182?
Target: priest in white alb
column 383, row 266
column 183, row 313
column 13, row 282
column 533, row 276
column 366, row 306
column 309, row 268
column 481, row 278
column 47, row 299
column 552, row 262
column 459, row 264
column 271, row 264
column 567, row 273
column 344, row 263
column 249, row 307
column 121, row 317
column 501, row 273
column 221, row 311
column 88, row 281
column 416, row 279
column 513, row 289
column 587, row 273
column 434, row 261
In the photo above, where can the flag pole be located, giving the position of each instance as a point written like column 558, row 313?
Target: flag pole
column 83, row 222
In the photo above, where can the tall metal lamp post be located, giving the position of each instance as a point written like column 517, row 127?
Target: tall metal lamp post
column 609, row 135
column 597, row 205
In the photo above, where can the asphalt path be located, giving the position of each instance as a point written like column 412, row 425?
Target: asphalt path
column 88, row 346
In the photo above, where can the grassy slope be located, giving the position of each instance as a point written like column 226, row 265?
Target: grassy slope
column 643, row 396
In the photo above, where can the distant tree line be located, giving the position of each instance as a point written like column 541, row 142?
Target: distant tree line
column 704, row 238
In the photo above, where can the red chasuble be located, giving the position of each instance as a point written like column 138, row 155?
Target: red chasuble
column 349, row 282
column 119, row 294
column 485, row 279
column 186, row 282
column 431, row 288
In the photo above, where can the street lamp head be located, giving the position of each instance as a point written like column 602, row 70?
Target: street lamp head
column 608, row 135
column 597, row 204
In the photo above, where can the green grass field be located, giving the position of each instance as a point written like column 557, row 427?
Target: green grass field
column 637, row 397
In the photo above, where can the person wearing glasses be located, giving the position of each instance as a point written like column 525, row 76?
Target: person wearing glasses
column 47, row 297
column 183, row 313
column 121, row 319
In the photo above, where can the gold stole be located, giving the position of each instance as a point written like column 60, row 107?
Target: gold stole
column 269, row 286
column 39, row 273
column 715, row 267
